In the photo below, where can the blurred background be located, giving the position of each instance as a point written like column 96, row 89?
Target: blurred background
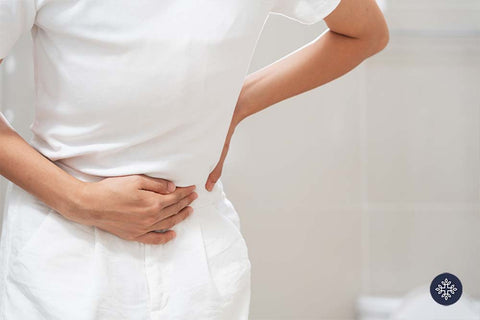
column 355, row 195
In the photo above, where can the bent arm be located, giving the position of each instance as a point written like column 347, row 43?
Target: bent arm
column 357, row 30
column 26, row 167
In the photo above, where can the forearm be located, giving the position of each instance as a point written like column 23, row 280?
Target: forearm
column 321, row 61
column 29, row 169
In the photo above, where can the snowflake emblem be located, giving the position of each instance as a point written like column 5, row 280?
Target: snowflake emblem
column 446, row 289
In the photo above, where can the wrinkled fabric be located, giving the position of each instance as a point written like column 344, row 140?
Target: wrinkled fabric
column 55, row 269
column 133, row 87
column 143, row 86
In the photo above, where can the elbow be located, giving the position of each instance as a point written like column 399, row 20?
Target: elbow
column 380, row 39
column 383, row 39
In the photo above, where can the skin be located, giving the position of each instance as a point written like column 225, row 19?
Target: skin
column 356, row 30
column 132, row 206
column 128, row 206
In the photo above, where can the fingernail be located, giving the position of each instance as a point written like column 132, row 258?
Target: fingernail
column 171, row 186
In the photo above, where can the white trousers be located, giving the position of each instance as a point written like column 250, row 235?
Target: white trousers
column 55, row 269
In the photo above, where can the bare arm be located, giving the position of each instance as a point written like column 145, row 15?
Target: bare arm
column 130, row 207
column 357, row 30
column 29, row 169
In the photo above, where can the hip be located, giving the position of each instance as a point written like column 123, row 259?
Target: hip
column 27, row 220
column 51, row 256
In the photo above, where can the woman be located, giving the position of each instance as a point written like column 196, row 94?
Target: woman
column 115, row 209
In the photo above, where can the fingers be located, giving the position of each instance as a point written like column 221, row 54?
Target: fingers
column 170, row 209
column 217, row 171
column 177, row 195
column 166, row 235
column 210, row 182
column 171, row 221
column 127, row 233
column 156, row 237
column 214, row 176
column 157, row 185
column 176, row 207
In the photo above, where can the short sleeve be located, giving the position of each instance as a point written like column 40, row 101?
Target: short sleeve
column 304, row 11
column 16, row 18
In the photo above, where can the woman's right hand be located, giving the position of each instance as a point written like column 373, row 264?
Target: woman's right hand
column 133, row 206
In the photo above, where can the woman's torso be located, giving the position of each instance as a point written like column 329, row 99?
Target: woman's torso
column 126, row 87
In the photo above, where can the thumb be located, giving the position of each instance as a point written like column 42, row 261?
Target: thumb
column 158, row 185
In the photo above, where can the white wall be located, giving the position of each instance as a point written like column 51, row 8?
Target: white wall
column 367, row 185
column 423, row 149
column 380, row 168
column 295, row 174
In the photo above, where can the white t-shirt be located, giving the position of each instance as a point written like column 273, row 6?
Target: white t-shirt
column 144, row 86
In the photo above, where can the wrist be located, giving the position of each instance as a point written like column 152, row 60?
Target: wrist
column 241, row 109
column 236, row 119
column 75, row 197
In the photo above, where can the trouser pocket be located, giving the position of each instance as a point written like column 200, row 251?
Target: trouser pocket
column 49, row 271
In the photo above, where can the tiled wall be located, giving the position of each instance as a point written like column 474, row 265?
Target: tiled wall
column 423, row 168
column 368, row 185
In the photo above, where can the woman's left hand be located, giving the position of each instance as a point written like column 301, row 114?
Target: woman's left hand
column 217, row 171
